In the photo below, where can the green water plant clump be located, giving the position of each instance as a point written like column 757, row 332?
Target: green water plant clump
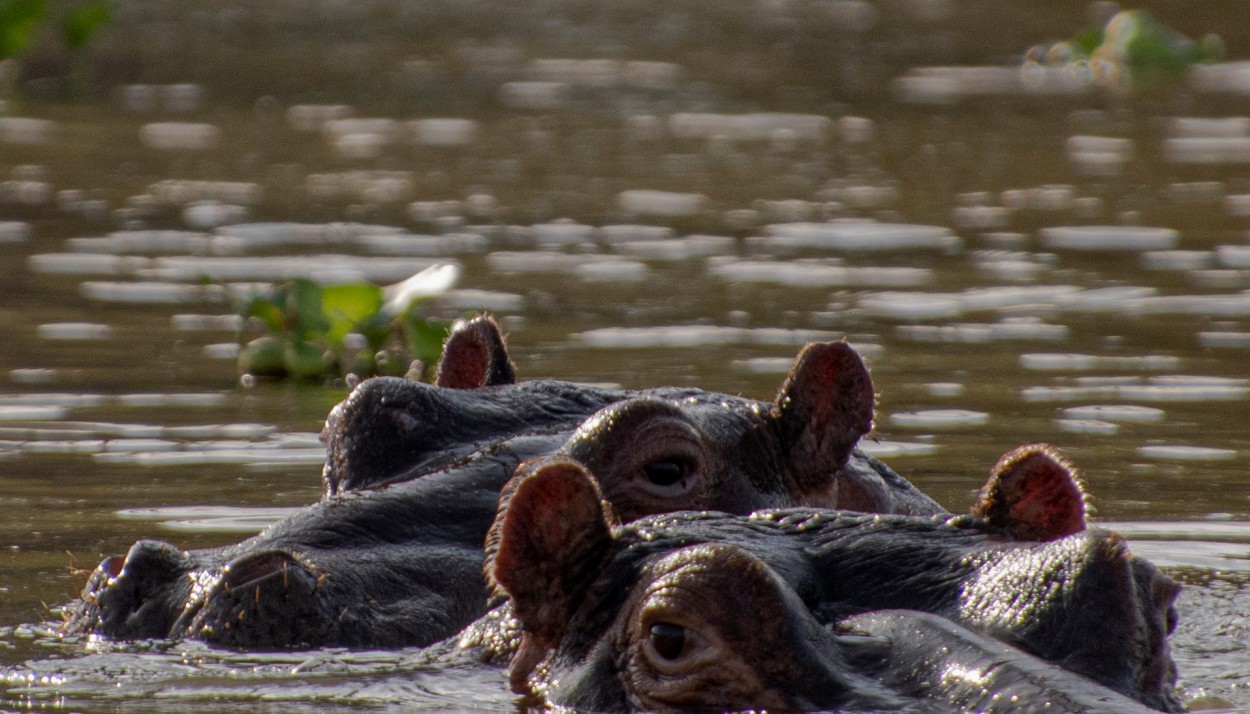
column 315, row 331
column 1131, row 43
column 24, row 22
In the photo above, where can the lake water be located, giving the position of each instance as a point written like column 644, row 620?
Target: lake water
column 645, row 194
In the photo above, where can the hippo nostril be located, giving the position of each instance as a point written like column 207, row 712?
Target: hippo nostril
column 666, row 472
column 668, row 640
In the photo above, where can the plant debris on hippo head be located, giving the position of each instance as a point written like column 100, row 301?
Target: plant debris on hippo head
column 649, row 615
column 391, row 555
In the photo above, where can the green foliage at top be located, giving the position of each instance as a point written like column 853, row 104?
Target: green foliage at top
column 20, row 21
column 1137, row 41
column 81, row 23
column 307, row 325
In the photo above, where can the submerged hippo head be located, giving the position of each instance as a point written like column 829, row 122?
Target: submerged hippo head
column 741, row 453
column 392, row 555
column 650, row 614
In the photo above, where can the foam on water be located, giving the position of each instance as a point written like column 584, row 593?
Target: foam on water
column 86, row 264
column 1115, row 413
column 970, row 333
column 612, row 271
column 812, row 274
column 74, row 331
column 864, row 236
column 1109, row 238
column 1089, row 363
column 31, row 412
column 1235, row 340
column 677, row 249
column 150, row 293
column 939, row 418
column 695, row 336
column 1207, row 150
column 182, row 136
column 324, row 268
column 1087, row 426
column 1186, row 453
column 148, row 241
column 886, row 449
column 205, row 519
column 665, row 204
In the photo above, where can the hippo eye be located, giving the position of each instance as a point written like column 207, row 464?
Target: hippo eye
column 666, row 472
column 668, row 640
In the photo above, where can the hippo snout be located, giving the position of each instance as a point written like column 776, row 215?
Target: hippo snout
column 139, row 595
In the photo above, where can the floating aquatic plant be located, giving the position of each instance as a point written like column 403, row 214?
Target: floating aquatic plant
column 1132, row 44
column 308, row 327
column 22, row 22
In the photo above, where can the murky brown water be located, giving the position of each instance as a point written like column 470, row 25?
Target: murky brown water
column 773, row 132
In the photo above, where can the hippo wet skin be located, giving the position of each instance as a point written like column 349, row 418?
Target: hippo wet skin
column 709, row 611
column 392, row 555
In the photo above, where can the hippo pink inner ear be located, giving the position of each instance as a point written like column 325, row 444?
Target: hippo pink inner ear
column 1034, row 494
column 823, row 408
column 550, row 540
column 475, row 356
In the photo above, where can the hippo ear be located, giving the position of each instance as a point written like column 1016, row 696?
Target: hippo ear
column 823, row 408
column 475, row 356
column 1034, row 494
column 548, row 544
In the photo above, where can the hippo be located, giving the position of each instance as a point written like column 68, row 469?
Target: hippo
column 390, row 429
column 392, row 554
column 649, row 615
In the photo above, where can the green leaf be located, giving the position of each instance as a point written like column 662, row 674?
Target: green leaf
column 19, row 23
column 1087, row 40
column 1142, row 42
column 82, row 22
column 263, row 357
column 268, row 311
column 303, row 360
column 348, row 306
column 423, row 339
column 305, row 317
column 376, row 328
